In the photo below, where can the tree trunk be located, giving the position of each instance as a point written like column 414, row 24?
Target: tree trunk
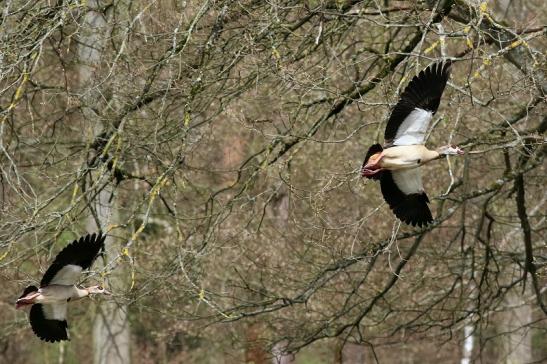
column 280, row 356
column 111, row 327
column 517, row 320
column 111, row 339
column 468, row 344
column 350, row 353
column 254, row 350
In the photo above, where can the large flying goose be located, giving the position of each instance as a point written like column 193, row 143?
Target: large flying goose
column 396, row 164
column 58, row 286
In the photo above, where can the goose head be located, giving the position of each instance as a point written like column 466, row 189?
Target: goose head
column 449, row 150
column 93, row 290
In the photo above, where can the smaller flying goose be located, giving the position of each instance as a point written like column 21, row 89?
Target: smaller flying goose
column 58, row 286
column 396, row 164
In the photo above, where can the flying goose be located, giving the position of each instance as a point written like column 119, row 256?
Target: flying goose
column 58, row 286
column 396, row 164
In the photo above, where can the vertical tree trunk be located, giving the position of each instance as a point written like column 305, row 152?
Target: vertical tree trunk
column 518, row 344
column 468, row 344
column 280, row 356
column 517, row 319
column 280, row 209
column 350, row 353
column 254, row 350
column 111, row 328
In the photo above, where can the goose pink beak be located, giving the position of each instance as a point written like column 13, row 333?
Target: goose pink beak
column 20, row 304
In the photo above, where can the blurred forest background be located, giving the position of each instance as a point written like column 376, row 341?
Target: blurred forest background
column 219, row 143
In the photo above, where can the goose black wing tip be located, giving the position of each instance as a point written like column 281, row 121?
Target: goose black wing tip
column 423, row 217
column 415, row 221
column 97, row 238
column 102, row 239
column 439, row 68
column 52, row 340
column 422, row 223
column 447, row 65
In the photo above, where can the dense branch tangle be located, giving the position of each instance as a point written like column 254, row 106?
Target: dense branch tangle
column 233, row 131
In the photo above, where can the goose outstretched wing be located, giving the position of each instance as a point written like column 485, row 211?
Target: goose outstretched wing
column 418, row 103
column 48, row 321
column 73, row 259
column 403, row 192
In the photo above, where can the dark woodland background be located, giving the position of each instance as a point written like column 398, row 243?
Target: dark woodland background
column 218, row 143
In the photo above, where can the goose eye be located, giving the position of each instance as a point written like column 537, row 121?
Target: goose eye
column 100, row 288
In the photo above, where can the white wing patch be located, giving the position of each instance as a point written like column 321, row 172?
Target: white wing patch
column 55, row 311
column 67, row 276
column 413, row 129
column 408, row 180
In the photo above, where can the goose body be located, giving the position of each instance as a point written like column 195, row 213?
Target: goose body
column 54, row 293
column 396, row 164
column 58, row 287
column 405, row 157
